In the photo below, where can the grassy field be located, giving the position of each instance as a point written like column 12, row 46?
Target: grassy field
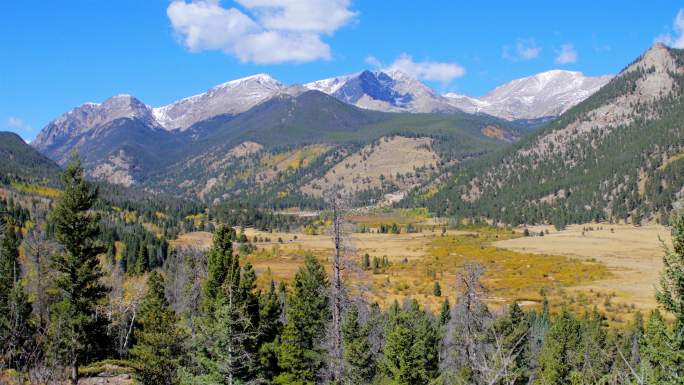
column 633, row 255
column 612, row 270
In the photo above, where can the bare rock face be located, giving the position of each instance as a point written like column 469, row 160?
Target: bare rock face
column 116, row 170
column 546, row 94
column 90, row 115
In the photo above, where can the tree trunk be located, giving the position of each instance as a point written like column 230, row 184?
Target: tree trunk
column 74, row 372
column 337, row 295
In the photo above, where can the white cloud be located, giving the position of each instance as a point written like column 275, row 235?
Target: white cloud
column 373, row 61
column 427, row 70
column 566, row 55
column 314, row 16
column 676, row 40
column 19, row 124
column 272, row 31
column 524, row 49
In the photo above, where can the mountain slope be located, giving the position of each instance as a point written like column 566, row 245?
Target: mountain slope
column 547, row 94
column 19, row 161
column 618, row 155
column 270, row 152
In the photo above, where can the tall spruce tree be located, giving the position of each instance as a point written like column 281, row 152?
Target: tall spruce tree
column 270, row 327
column 158, row 350
column 225, row 348
column 659, row 358
column 9, row 263
column 411, row 346
column 300, row 355
column 557, row 360
column 513, row 329
column 76, row 331
column 219, row 264
column 358, row 356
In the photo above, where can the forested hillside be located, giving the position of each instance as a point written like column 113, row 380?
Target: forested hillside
column 21, row 162
column 617, row 156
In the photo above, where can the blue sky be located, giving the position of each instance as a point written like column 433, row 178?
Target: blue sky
column 56, row 55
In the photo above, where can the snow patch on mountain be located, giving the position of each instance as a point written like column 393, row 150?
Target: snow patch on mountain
column 232, row 98
column 545, row 94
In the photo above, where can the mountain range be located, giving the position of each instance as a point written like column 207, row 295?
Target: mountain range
column 183, row 147
column 555, row 147
column 544, row 95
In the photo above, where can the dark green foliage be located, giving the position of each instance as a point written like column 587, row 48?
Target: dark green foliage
column 22, row 163
column 627, row 173
column 358, row 356
column 225, row 346
column 661, row 360
column 671, row 291
column 9, row 263
column 157, row 353
column 445, row 312
column 76, row 330
column 221, row 266
column 512, row 330
column 437, row 289
column 558, row 362
column 270, row 328
column 301, row 355
column 411, row 346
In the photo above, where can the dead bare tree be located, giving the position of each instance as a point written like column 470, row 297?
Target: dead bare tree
column 122, row 308
column 184, row 270
column 469, row 320
column 336, row 232
column 37, row 249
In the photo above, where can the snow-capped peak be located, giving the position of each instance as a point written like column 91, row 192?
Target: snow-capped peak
column 232, row 97
column 384, row 90
column 541, row 95
column 329, row 85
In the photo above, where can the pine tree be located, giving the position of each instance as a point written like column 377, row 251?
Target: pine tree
column 270, row 327
column 445, row 312
column 556, row 362
column 219, row 264
column 221, row 346
column 411, row 343
column 657, row 353
column 513, row 327
column 591, row 352
column 671, row 292
column 300, row 355
column 225, row 350
column 357, row 354
column 75, row 328
column 437, row 290
column 158, row 350
column 9, row 264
